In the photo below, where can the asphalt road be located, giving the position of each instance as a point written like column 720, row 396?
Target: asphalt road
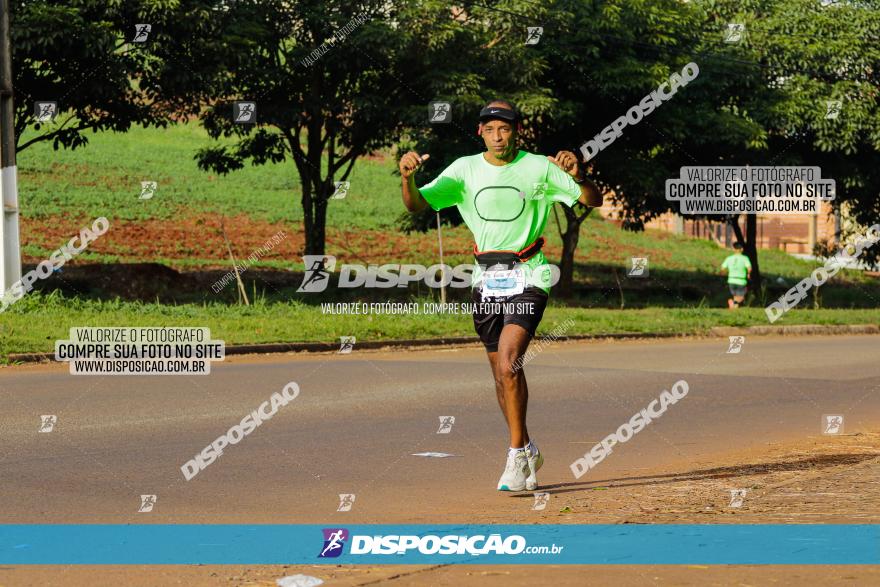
column 359, row 418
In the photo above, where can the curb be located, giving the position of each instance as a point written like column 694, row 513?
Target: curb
column 324, row 347
column 797, row 329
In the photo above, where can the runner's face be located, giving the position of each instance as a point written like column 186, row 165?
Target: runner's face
column 499, row 137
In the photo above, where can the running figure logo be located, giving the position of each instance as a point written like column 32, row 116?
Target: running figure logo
column 446, row 423
column 318, row 268
column 245, row 112
column 341, row 190
column 736, row 497
column 47, row 423
column 141, row 32
column 334, row 541
column 638, row 267
column 347, row 344
column 736, row 344
column 440, row 112
column 539, row 190
column 534, row 34
column 346, row 501
column 832, row 424
column 541, row 501
column 45, row 111
column 734, row 32
column 148, row 190
column 147, row 503
column 832, row 109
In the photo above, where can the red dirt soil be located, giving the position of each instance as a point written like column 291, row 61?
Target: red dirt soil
column 198, row 236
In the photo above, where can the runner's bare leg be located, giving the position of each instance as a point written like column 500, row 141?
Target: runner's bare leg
column 511, row 388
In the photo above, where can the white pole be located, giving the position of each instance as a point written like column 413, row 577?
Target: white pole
column 442, row 270
column 10, row 251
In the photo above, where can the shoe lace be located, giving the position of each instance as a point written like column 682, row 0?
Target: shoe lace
column 512, row 465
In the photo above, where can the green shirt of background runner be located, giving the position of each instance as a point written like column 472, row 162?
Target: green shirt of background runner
column 738, row 266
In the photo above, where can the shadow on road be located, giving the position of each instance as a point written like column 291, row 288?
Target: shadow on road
column 817, row 462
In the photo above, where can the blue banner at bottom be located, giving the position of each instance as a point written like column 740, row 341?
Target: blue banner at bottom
column 673, row 544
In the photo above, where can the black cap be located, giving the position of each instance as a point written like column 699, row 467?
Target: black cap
column 490, row 112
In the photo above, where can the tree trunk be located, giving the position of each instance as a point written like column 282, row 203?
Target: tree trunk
column 315, row 214
column 750, row 248
column 737, row 231
column 570, row 238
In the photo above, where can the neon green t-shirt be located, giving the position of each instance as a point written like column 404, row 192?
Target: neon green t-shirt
column 505, row 206
column 737, row 266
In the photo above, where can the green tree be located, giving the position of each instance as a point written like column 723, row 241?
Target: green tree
column 332, row 81
column 80, row 54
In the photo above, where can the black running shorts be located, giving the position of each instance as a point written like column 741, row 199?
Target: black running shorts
column 737, row 290
column 525, row 309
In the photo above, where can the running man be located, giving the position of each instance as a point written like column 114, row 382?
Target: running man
column 738, row 269
column 505, row 196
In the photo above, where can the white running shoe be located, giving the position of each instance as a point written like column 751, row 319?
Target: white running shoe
column 515, row 472
column 535, row 463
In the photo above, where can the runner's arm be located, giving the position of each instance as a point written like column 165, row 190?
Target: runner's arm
column 412, row 197
column 591, row 197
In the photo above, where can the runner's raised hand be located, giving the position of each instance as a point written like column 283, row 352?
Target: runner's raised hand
column 566, row 161
column 410, row 162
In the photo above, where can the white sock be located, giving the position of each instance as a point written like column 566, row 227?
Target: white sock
column 532, row 448
column 512, row 451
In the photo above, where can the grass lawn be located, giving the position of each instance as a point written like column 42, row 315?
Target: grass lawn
column 36, row 322
column 104, row 179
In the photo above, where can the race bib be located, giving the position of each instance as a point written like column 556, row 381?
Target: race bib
column 502, row 283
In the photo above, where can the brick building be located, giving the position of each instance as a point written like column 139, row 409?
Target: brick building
column 793, row 233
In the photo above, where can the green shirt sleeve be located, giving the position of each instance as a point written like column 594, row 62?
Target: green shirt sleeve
column 561, row 186
column 446, row 190
column 726, row 263
column 747, row 263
